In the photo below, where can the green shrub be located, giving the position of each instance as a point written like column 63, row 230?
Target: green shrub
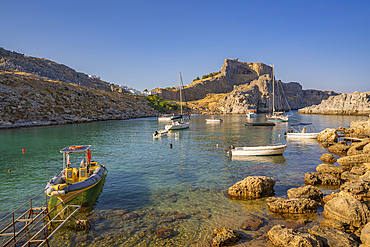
column 161, row 105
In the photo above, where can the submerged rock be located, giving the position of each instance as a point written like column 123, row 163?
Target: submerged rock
column 224, row 237
column 308, row 192
column 348, row 210
column 282, row 236
column 252, row 223
column 252, row 187
column 292, row 206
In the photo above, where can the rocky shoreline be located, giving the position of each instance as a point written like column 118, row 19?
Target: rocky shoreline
column 28, row 102
column 346, row 213
column 345, row 104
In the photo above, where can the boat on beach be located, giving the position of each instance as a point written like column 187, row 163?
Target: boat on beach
column 160, row 133
column 214, row 120
column 300, row 131
column 73, row 181
column 258, row 150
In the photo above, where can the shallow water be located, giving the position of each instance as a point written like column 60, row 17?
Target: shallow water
column 150, row 185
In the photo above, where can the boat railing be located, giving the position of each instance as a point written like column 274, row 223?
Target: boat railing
column 30, row 225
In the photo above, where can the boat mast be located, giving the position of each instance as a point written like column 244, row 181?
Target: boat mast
column 180, row 95
column 273, row 90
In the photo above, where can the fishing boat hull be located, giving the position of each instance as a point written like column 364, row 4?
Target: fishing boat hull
column 177, row 126
column 302, row 135
column 260, row 150
column 278, row 118
column 57, row 188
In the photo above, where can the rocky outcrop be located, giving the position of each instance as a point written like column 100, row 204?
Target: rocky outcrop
column 328, row 135
column 328, row 158
column 252, row 187
column 315, row 178
column 248, row 86
column 345, row 104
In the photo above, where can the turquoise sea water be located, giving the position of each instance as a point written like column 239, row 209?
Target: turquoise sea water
column 148, row 183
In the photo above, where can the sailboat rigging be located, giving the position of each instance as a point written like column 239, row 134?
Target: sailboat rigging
column 277, row 116
column 180, row 124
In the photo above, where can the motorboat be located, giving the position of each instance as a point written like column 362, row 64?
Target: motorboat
column 251, row 113
column 214, row 120
column 258, row 150
column 74, row 181
column 160, row 133
column 300, row 131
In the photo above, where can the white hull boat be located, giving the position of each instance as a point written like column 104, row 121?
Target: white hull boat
column 300, row 131
column 168, row 118
column 251, row 114
column 177, row 126
column 259, row 150
column 214, row 120
column 160, row 133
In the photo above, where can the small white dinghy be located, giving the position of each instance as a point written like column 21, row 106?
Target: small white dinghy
column 160, row 133
column 214, row 120
column 300, row 131
column 259, row 150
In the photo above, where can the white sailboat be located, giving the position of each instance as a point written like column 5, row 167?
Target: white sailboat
column 276, row 116
column 180, row 124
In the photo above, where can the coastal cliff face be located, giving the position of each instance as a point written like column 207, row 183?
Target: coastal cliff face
column 36, row 92
column 345, row 104
column 247, row 86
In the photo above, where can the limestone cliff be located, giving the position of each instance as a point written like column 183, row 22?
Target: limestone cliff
column 248, row 86
column 345, row 104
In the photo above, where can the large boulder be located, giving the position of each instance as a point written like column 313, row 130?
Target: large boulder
column 224, row 237
column 366, row 149
column 357, row 188
column 292, row 206
column 328, row 158
column 328, row 135
column 348, row 210
column 357, row 148
column 282, row 236
column 308, row 192
column 330, row 169
column 347, row 162
column 339, row 149
column 252, row 187
column 333, row 237
column 365, row 234
column 315, row 178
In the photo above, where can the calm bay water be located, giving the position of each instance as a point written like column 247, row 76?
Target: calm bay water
column 155, row 182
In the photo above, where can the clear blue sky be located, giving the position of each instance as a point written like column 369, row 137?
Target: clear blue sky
column 144, row 44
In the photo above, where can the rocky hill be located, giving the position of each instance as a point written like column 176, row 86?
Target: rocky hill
column 36, row 91
column 246, row 86
column 345, row 104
